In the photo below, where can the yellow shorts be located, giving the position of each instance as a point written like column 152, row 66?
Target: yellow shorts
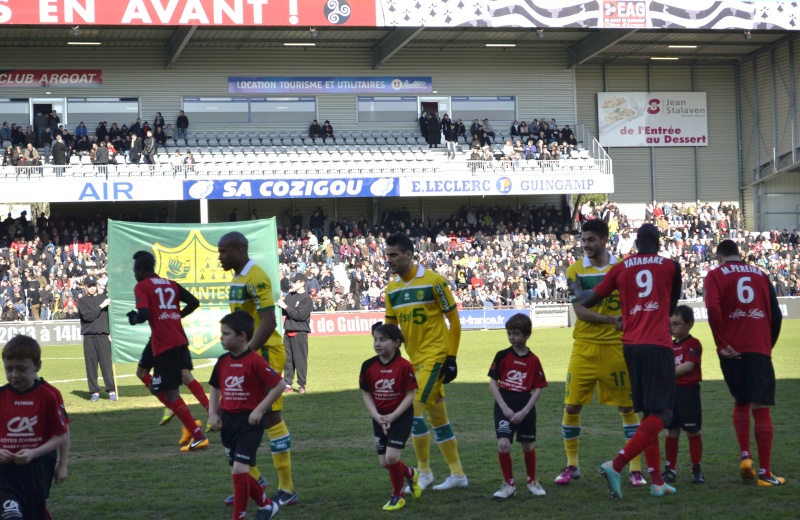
column 276, row 357
column 591, row 365
column 429, row 378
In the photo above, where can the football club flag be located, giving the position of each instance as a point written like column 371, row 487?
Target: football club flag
column 187, row 254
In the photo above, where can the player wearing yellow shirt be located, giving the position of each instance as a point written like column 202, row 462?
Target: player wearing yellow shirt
column 597, row 358
column 251, row 291
column 419, row 300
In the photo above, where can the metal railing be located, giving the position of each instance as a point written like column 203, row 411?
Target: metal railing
column 367, row 168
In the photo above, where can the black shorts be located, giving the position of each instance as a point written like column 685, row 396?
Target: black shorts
column 240, row 439
column 750, row 379
column 505, row 429
column 146, row 361
column 398, row 433
column 167, row 369
column 24, row 488
column 652, row 375
column 687, row 413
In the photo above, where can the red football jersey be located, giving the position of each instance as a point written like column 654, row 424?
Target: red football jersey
column 688, row 350
column 29, row 419
column 62, row 410
column 516, row 373
column 738, row 298
column 161, row 297
column 387, row 383
column 246, row 380
column 649, row 286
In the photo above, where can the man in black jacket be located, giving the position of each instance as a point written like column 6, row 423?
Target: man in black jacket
column 297, row 308
column 93, row 312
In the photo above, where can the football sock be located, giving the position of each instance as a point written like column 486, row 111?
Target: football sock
column 445, row 438
column 408, row 471
column 741, row 424
column 147, row 379
column 255, row 473
column 420, row 436
column 763, row 433
column 506, row 466
column 630, row 423
column 185, row 415
column 241, row 492
column 530, row 464
column 696, row 448
column 671, row 451
column 396, row 476
column 571, row 431
column 652, row 455
column 646, row 434
column 199, row 393
column 256, row 493
column 280, row 444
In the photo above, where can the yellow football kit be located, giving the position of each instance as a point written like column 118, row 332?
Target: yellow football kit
column 251, row 291
column 597, row 357
column 418, row 307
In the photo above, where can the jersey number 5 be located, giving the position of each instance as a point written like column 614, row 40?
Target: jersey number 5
column 170, row 294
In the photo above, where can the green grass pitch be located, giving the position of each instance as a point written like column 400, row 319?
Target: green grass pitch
column 123, row 465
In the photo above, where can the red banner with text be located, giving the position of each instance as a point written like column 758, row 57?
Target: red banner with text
column 50, row 78
column 189, row 12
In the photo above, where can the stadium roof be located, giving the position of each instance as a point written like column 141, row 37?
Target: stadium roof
column 620, row 46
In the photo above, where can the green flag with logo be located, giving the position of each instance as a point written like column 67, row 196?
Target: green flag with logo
column 187, row 254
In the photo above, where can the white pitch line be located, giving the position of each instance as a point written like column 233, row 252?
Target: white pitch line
column 206, row 365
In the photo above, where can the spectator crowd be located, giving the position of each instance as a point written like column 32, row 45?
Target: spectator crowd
column 493, row 256
column 108, row 145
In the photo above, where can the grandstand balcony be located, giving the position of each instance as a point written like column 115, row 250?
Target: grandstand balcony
column 298, row 161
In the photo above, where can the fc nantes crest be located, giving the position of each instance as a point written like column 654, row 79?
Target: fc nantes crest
column 194, row 264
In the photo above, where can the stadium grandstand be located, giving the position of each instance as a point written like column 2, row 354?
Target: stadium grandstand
column 340, row 110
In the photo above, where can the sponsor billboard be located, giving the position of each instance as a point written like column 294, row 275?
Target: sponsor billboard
column 330, row 85
column 291, row 188
column 631, row 119
column 537, row 184
column 71, row 189
column 650, row 14
column 51, row 78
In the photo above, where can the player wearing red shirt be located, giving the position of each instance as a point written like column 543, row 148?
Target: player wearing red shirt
column 388, row 386
column 158, row 303
column 516, row 379
column 745, row 318
column 649, row 286
column 33, row 425
column 687, row 413
column 243, row 388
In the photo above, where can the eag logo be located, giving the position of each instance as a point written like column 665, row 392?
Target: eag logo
column 654, row 106
column 397, row 84
column 384, row 385
column 504, row 185
column 234, row 383
column 22, row 426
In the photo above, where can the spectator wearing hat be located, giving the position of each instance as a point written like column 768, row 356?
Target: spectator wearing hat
column 93, row 312
column 297, row 306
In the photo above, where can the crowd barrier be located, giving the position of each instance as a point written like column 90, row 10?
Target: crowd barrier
column 68, row 332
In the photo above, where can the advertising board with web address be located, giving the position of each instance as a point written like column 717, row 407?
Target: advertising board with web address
column 634, row 119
